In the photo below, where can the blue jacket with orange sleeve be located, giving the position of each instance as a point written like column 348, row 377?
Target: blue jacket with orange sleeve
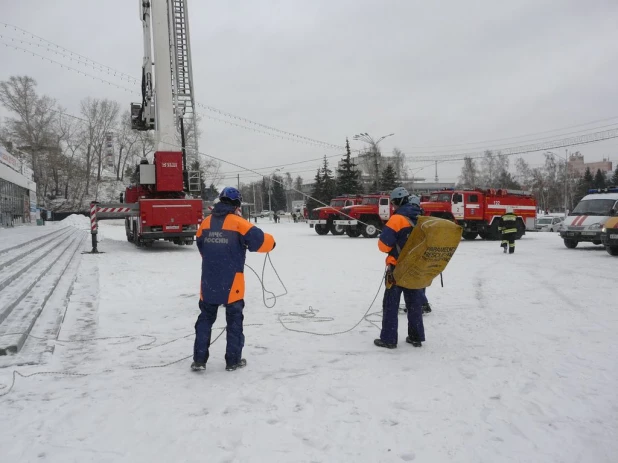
column 223, row 239
column 397, row 230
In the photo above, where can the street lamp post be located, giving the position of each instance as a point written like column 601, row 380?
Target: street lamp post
column 365, row 137
column 566, row 177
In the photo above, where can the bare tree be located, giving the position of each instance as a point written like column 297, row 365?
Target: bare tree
column 32, row 129
column 129, row 143
column 469, row 177
column 399, row 164
column 100, row 117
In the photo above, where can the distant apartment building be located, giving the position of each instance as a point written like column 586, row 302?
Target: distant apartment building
column 578, row 167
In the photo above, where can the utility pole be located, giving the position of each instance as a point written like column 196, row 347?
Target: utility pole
column 238, row 182
column 566, row 181
column 436, row 179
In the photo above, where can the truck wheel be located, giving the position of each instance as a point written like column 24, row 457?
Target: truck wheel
column 571, row 244
column 337, row 229
column 612, row 250
column 321, row 229
column 596, row 242
column 371, row 230
column 352, row 232
column 469, row 235
column 483, row 235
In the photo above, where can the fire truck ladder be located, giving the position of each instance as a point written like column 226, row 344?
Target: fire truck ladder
column 182, row 82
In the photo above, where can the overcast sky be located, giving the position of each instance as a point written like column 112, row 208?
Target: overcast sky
column 433, row 72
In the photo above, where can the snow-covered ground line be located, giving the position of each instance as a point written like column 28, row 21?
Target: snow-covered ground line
column 519, row 364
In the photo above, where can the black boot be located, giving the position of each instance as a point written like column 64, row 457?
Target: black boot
column 378, row 342
column 426, row 307
column 198, row 366
column 236, row 366
column 414, row 343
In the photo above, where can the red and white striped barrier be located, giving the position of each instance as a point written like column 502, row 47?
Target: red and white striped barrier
column 93, row 218
column 112, row 210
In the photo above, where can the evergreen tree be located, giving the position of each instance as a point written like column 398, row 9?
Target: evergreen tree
column 583, row 185
column 316, row 192
column 348, row 178
column 210, row 193
column 599, row 179
column 506, row 180
column 278, row 193
column 329, row 185
column 614, row 179
column 388, row 178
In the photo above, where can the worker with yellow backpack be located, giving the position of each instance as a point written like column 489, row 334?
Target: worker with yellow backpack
column 418, row 248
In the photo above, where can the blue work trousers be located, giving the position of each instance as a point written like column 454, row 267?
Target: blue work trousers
column 414, row 299
column 235, row 337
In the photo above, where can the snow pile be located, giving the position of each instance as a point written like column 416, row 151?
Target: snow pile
column 78, row 221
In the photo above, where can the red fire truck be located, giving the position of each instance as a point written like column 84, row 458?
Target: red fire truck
column 367, row 217
column 478, row 209
column 321, row 218
column 162, row 212
column 158, row 206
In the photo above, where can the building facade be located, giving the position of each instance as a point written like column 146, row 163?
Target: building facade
column 17, row 191
column 578, row 167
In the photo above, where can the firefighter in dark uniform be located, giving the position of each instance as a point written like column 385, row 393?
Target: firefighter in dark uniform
column 508, row 228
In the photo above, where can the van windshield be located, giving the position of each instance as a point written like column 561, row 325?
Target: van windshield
column 594, row 207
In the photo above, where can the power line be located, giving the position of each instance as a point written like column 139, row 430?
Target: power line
column 83, row 60
column 534, row 140
column 484, row 142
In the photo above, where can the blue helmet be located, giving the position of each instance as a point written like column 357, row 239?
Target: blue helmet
column 231, row 195
column 414, row 200
column 399, row 196
column 399, row 193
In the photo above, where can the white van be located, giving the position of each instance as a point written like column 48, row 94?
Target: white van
column 585, row 222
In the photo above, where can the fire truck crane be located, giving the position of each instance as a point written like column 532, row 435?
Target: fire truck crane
column 159, row 205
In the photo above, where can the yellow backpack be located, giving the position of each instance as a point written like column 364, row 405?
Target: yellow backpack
column 427, row 252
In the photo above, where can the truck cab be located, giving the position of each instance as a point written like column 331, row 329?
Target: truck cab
column 321, row 218
column 366, row 218
column 586, row 222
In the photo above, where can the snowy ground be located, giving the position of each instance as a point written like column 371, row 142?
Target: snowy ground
column 519, row 364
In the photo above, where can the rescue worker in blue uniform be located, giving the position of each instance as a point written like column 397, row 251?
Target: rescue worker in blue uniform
column 391, row 241
column 223, row 239
column 508, row 227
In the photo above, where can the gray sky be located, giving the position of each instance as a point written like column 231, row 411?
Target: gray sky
column 436, row 73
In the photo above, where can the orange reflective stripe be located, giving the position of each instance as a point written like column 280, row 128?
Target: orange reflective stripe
column 268, row 244
column 383, row 247
column 390, row 260
column 398, row 222
column 203, row 226
column 238, row 288
column 233, row 222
